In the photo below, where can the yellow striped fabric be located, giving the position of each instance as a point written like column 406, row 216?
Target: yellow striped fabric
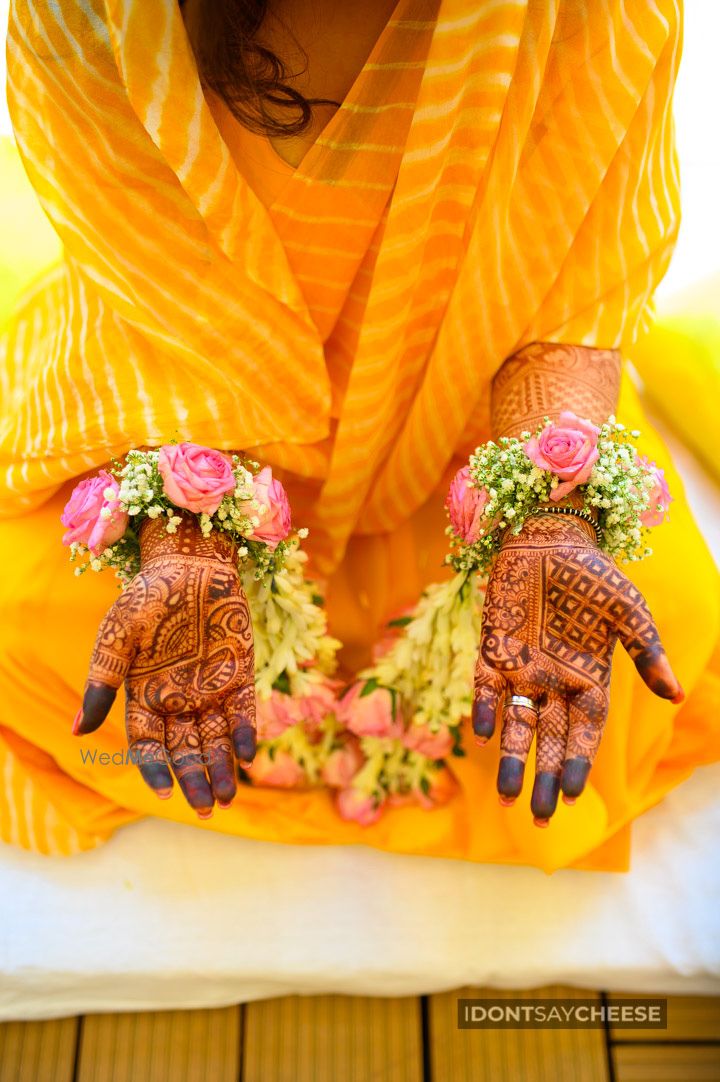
column 500, row 172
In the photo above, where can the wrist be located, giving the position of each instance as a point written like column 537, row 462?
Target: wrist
column 553, row 529
column 575, row 501
column 186, row 539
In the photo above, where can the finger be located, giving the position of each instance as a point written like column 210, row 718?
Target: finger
column 519, row 725
column 490, row 689
column 218, row 756
column 588, row 714
column 96, row 704
column 637, row 632
column 182, row 740
column 239, row 709
column 146, row 741
column 552, row 737
column 111, row 658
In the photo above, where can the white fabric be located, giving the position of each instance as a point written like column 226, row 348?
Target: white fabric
column 167, row 916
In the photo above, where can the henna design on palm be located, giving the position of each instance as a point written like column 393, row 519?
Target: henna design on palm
column 555, row 607
column 180, row 637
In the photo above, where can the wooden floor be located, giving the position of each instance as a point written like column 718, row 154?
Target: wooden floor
column 357, row 1039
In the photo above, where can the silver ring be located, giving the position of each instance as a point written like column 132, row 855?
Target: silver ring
column 523, row 700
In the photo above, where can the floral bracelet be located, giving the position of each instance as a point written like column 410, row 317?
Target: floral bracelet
column 509, row 480
column 104, row 513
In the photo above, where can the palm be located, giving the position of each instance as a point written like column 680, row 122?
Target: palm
column 180, row 637
column 554, row 609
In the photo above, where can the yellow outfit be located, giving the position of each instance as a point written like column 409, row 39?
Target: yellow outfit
column 498, row 174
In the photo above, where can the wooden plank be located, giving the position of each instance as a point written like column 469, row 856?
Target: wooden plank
column 333, row 1038
column 161, row 1046
column 34, row 1051
column 507, row 1055
column 666, row 1063
column 690, row 1018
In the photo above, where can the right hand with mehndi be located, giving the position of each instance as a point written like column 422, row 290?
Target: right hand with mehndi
column 180, row 637
column 555, row 607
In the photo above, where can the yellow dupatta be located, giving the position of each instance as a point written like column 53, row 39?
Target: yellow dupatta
column 180, row 312
column 527, row 189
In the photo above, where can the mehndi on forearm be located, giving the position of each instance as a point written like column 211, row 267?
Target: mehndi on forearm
column 545, row 378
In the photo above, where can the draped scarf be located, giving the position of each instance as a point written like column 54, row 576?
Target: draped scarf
column 527, row 191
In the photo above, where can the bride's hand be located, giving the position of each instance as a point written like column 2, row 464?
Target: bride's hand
column 181, row 639
column 555, row 606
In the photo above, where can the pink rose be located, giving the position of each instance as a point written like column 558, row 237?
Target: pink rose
column 276, row 714
column 318, row 704
column 359, row 807
column 660, row 498
column 420, row 738
column 89, row 518
column 367, row 715
column 195, row 477
column 567, row 448
column 464, row 505
column 342, row 765
column 274, row 510
column 282, row 771
column 442, row 788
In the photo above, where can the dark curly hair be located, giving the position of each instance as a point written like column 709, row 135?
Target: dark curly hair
column 248, row 76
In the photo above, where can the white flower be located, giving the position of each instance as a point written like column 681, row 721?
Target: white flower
column 109, row 493
column 303, row 532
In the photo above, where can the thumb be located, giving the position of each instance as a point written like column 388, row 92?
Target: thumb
column 111, row 658
column 637, row 632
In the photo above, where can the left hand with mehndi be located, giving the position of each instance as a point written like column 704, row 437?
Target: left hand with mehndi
column 555, row 607
column 180, row 638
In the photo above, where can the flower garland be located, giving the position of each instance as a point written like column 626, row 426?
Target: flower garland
column 385, row 739
column 104, row 513
column 506, row 481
